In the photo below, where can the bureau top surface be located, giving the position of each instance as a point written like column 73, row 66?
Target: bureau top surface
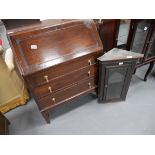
column 52, row 42
column 38, row 25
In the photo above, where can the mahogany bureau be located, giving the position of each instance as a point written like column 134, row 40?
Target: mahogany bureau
column 57, row 59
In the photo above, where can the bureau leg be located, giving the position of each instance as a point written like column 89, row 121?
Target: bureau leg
column 149, row 70
column 46, row 116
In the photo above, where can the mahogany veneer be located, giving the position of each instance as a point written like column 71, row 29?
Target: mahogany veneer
column 57, row 59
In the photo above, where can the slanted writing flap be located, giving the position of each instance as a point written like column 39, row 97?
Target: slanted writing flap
column 52, row 45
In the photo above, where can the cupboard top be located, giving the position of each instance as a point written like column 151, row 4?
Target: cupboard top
column 119, row 54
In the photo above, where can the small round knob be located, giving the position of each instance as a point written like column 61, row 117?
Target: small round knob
column 88, row 73
column 53, row 99
column 89, row 85
column 145, row 28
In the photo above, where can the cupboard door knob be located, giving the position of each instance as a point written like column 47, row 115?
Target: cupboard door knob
column 46, row 78
column 89, row 85
column 88, row 73
column 106, row 86
column 145, row 28
column 53, row 99
column 50, row 89
column 89, row 61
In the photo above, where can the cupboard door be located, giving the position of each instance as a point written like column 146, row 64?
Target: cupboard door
column 140, row 36
column 116, row 81
column 123, row 33
column 151, row 46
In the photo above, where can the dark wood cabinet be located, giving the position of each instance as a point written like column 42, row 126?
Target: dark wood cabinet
column 136, row 35
column 141, row 39
column 150, row 47
column 116, row 79
column 115, row 72
column 57, row 59
column 108, row 31
column 4, row 125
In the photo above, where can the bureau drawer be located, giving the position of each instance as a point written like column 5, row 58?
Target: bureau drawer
column 67, row 93
column 65, row 80
column 47, row 75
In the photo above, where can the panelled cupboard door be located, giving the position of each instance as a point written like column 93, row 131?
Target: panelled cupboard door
column 138, row 39
column 150, row 46
column 116, row 81
column 142, row 29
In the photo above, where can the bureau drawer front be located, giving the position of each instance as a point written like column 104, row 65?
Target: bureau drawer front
column 67, row 94
column 63, row 81
column 47, row 75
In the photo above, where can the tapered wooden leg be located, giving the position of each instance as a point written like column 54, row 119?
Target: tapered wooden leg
column 134, row 71
column 46, row 116
column 149, row 70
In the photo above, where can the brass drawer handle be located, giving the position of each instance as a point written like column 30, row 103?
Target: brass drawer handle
column 89, row 85
column 50, row 89
column 53, row 99
column 89, row 62
column 46, row 78
column 88, row 73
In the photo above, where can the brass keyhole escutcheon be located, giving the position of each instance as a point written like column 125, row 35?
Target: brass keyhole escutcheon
column 89, row 62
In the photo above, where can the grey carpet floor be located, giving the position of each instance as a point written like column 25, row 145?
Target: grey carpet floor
column 85, row 116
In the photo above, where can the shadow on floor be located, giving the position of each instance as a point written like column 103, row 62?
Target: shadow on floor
column 69, row 106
